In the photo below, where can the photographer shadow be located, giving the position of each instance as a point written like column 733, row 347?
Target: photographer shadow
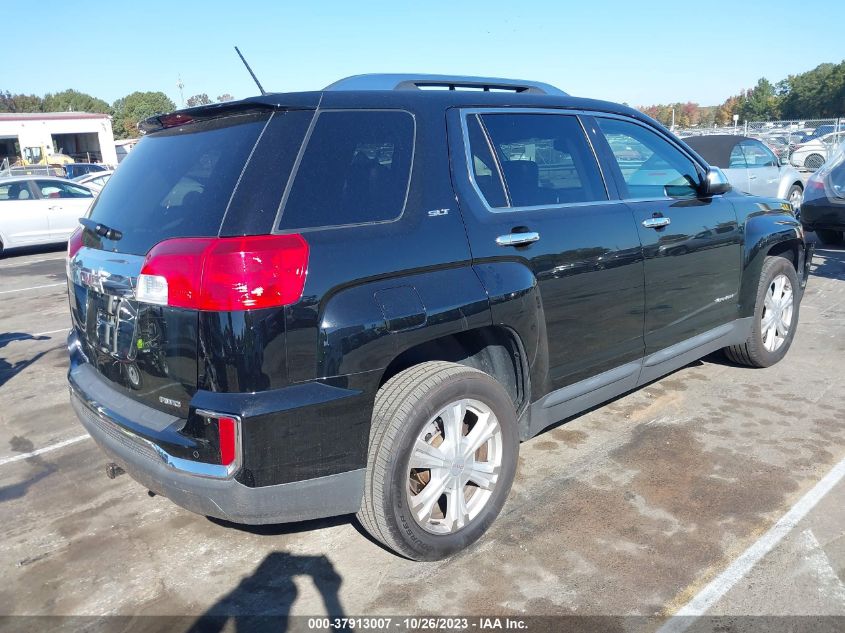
column 261, row 603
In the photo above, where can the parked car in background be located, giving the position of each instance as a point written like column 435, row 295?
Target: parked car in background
column 813, row 153
column 824, row 204
column 74, row 170
column 40, row 210
column 96, row 180
column 751, row 166
column 360, row 299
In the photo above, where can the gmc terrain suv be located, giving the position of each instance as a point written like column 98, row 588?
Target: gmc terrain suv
column 360, row 300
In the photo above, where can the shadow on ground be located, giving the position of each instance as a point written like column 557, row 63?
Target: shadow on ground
column 10, row 370
column 263, row 601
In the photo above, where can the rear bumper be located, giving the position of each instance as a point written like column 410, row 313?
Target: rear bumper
column 188, row 485
column 823, row 214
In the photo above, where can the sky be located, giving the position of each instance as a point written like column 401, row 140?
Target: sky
column 639, row 53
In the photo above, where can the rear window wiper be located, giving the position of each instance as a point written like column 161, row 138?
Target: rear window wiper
column 101, row 229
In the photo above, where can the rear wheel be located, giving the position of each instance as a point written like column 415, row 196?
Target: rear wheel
column 443, row 452
column 828, row 236
column 775, row 316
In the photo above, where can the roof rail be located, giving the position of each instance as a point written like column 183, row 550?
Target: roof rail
column 398, row 81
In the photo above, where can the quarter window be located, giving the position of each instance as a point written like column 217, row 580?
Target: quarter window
column 545, row 159
column 355, row 169
column 651, row 166
column 484, row 168
column 737, row 160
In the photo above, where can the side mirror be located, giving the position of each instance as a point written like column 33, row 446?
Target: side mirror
column 715, row 182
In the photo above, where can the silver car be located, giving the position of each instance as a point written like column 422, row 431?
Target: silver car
column 750, row 166
column 40, row 210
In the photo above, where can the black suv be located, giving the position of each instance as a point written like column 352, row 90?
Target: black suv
column 362, row 299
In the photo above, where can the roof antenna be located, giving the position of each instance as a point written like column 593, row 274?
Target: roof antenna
column 254, row 78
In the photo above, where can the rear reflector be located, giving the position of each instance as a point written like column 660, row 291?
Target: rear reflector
column 74, row 243
column 225, row 273
column 227, row 432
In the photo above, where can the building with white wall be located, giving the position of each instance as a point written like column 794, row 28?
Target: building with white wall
column 84, row 136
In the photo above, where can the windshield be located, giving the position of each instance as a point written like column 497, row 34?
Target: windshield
column 177, row 182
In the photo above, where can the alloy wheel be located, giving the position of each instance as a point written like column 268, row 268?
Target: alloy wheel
column 796, row 197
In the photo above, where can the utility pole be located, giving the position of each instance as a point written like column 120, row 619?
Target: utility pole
column 673, row 120
column 180, row 85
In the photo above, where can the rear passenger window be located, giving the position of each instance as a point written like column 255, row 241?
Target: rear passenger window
column 545, row 159
column 355, row 169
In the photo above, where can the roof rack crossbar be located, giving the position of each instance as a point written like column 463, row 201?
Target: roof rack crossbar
column 449, row 82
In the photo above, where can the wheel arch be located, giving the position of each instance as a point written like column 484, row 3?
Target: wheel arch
column 495, row 350
column 767, row 235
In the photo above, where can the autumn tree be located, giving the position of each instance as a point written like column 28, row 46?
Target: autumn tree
column 225, row 97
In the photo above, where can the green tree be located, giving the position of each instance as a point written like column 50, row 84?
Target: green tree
column 134, row 108
column 816, row 93
column 73, row 101
column 20, row 102
column 198, row 100
column 761, row 103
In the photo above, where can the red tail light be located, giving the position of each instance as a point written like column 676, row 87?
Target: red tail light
column 815, row 185
column 74, row 243
column 227, row 432
column 226, row 274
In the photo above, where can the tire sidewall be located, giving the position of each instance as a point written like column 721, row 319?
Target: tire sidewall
column 775, row 266
column 428, row 546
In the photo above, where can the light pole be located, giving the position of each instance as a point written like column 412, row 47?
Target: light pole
column 180, row 85
column 736, row 120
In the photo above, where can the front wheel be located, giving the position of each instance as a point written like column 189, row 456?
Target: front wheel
column 795, row 196
column 442, row 458
column 775, row 316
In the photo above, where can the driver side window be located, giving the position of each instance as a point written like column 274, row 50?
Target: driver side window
column 651, row 166
column 758, row 155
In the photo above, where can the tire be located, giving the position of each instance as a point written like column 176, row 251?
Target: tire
column 413, row 407
column 796, row 193
column 764, row 347
column 828, row 236
column 814, row 161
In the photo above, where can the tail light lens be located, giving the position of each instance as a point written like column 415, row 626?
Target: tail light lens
column 227, row 431
column 226, row 274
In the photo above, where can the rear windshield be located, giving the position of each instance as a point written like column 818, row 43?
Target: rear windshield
column 177, row 182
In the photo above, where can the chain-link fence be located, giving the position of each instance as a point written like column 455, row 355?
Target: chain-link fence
column 802, row 143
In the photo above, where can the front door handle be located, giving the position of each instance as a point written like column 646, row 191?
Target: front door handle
column 517, row 239
column 656, row 223
column 752, row 177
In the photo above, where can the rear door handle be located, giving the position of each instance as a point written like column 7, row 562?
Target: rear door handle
column 517, row 239
column 752, row 177
column 656, row 223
